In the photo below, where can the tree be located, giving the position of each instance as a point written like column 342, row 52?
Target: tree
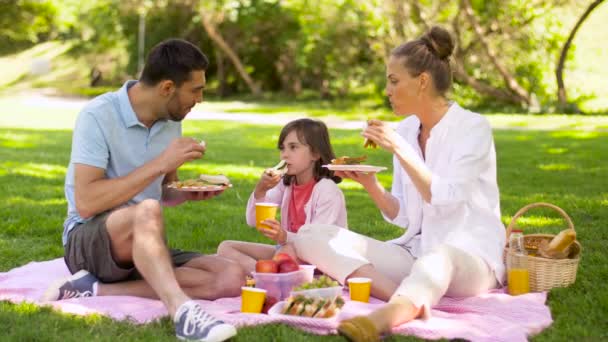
column 210, row 19
column 561, row 89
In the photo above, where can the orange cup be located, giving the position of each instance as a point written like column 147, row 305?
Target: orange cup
column 264, row 211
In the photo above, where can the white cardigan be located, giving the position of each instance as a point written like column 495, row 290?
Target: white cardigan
column 326, row 205
column 465, row 209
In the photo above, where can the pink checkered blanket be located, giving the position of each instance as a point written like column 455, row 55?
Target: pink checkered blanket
column 494, row 316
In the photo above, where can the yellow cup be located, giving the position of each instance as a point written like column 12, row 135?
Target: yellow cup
column 264, row 211
column 360, row 289
column 252, row 299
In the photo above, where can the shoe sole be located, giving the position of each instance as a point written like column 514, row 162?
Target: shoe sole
column 225, row 334
column 52, row 293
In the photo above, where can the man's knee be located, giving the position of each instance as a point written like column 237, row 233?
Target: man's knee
column 232, row 278
column 148, row 215
column 149, row 208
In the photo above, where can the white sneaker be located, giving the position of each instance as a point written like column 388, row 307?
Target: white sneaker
column 79, row 284
column 194, row 324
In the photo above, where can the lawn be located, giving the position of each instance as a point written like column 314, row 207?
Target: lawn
column 566, row 168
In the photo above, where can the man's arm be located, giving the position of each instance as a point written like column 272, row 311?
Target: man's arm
column 95, row 193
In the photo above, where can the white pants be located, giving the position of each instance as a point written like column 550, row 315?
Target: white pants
column 445, row 270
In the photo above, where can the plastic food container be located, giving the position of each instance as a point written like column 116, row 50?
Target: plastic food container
column 310, row 272
column 324, row 292
column 279, row 285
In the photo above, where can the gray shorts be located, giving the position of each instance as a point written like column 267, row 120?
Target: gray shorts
column 89, row 248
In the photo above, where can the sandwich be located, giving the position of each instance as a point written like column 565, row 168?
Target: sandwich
column 202, row 181
column 345, row 160
column 214, row 180
column 316, row 307
column 280, row 168
column 370, row 143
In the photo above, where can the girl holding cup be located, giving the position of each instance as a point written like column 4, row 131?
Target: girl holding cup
column 306, row 193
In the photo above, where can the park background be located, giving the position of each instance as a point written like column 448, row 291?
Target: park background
column 272, row 61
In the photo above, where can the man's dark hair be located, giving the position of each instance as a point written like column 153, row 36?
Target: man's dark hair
column 173, row 59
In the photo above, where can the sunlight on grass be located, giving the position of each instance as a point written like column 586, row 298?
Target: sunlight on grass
column 557, row 150
column 45, row 171
column 531, row 221
column 26, row 308
column 14, row 67
column 20, row 140
column 15, row 200
column 575, row 134
column 555, row 167
column 226, row 169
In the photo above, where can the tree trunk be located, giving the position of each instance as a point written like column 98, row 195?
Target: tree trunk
column 221, row 43
column 221, row 73
column 459, row 70
column 510, row 81
column 559, row 71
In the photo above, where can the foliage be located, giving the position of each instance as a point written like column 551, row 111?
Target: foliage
column 24, row 23
column 329, row 49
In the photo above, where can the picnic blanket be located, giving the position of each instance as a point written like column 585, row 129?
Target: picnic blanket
column 495, row 316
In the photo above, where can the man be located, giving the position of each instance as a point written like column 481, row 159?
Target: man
column 127, row 146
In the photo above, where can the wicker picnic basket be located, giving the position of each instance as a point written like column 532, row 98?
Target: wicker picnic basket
column 546, row 274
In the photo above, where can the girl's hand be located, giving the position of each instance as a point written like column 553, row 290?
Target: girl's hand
column 366, row 179
column 275, row 232
column 268, row 181
column 382, row 134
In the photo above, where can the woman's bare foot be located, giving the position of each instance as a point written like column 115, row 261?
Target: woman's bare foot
column 368, row 328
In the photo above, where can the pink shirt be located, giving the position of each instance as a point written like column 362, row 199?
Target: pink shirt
column 326, row 205
column 300, row 194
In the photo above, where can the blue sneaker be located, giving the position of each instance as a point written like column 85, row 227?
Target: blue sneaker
column 79, row 284
column 194, row 324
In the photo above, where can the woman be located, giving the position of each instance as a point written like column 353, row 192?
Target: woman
column 444, row 192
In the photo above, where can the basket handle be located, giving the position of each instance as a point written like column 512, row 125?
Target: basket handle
column 535, row 205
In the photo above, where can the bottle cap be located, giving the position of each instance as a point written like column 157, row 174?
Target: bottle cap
column 516, row 231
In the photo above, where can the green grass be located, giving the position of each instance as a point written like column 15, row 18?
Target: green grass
column 563, row 167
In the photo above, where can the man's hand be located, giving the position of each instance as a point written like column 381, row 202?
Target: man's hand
column 275, row 232
column 200, row 195
column 173, row 197
column 180, row 151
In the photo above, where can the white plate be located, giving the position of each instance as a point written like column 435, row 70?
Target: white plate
column 275, row 310
column 356, row 168
column 206, row 188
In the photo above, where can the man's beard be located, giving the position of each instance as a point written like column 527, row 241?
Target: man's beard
column 172, row 114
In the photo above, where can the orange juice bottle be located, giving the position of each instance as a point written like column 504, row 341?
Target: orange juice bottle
column 518, row 275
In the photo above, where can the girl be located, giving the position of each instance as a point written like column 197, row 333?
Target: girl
column 307, row 193
column 444, row 192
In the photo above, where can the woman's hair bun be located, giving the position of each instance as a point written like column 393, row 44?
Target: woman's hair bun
column 439, row 42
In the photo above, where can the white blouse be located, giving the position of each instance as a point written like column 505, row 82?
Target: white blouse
column 465, row 209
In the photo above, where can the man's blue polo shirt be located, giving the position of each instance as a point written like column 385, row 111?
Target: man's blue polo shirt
column 109, row 136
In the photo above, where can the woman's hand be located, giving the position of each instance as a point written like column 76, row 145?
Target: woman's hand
column 382, row 134
column 275, row 232
column 366, row 179
column 268, row 181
